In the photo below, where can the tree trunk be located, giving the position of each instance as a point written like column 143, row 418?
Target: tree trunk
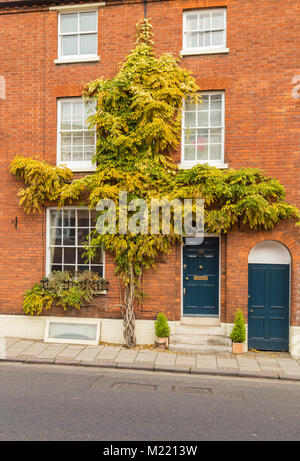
column 129, row 318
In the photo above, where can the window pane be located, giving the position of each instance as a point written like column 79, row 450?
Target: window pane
column 215, row 136
column 55, row 267
column 191, row 22
column 69, row 45
column 207, row 39
column 189, row 153
column 87, row 21
column 202, row 118
column 55, row 218
column 69, row 237
column 83, row 218
column 78, row 115
column 218, row 20
column 98, row 270
column 83, row 268
column 56, row 255
column 65, row 122
column 68, row 23
column 68, row 268
column 207, row 21
column 69, row 218
column 88, row 152
column 203, row 105
column 77, row 154
column 190, row 137
column 83, row 236
column 201, row 40
column 69, row 255
column 201, row 22
column 217, row 38
column 66, row 154
column 202, row 152
column 202, row 136
column 55, row 237
column 78, row 140
column 189, row 105
column 216, row 102
column 190, row 119
column 88, row 44
column 80, row 256
column 215, row 118
column 215, row 152
column 89, row 139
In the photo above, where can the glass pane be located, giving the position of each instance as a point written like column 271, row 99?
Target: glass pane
column 78, row 139
column 216, row 102
column 215, row 136
column 83, row 236
column 69, row 218
column 88, row 44
column 207, row 21
column 77, row 154
column 191, row 22
column 65, row 140
column 69, row 237
column 83, row 268
column 56, row 255
column 68, row 23
column 68, row 268
column 215, row 151
column 203, row 105
column 218, row 20
column 87, row 21
column 83, row 218
column 189, row 153
column 207, row 39
column 69, row 255
column 201, row 40
column 69, row 45
column 190, row 136
column 66, row 154
column 56, row 267
column 78, row 115
column 55, row 236
column 55, row 218
column 89, row 139
column 98, row 270
column 89, row 108
column 202, row 152
column 88, row 152
column 202, row 119
column 65, row 123
column 201, row 22
column 215, row 118
column 202, row 136
column 217, row 38
column 80, row 256
column 93, row 218
column 189, row 104
column 190, row 119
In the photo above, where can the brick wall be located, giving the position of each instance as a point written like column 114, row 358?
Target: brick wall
column 262, row 121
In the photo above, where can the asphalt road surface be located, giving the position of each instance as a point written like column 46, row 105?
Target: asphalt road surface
column 60, row 403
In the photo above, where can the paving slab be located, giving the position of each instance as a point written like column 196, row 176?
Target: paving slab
column 70, row 352
column 126, row 356
column 247, row 364
column 35, row 349
column 89, row 353
column 227, row 363
column 108, row 353
column 206, row 361
column 17, row 348
column 145, row 356
column 165, row 358
column 185, row 360
column 52, row 351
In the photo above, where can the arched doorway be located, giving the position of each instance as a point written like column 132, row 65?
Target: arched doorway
column 268, row 296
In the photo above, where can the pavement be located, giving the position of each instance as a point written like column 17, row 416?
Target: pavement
column 255, row 364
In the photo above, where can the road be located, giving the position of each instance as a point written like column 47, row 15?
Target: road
column 57, row 403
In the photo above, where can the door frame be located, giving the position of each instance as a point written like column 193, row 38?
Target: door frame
column 181, row 276
column 289, row 301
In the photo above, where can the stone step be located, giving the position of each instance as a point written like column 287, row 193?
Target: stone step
column 200, row 340
column 200, row 321
column 199, row 330
column 200, row 349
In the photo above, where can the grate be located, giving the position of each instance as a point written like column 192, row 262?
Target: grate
column 134, row 386
column 192, row 390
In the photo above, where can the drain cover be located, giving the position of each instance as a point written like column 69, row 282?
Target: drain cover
column 134, row 386
column 192, row 390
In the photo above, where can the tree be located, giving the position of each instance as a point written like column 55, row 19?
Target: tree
column 138, row 124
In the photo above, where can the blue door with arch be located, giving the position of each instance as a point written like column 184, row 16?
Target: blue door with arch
column 201, row 277
column 268, row 307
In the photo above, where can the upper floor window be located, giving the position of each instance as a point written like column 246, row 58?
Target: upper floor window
column 203, row 130
column 76, row 141
column 204, row 31
column 77, row 35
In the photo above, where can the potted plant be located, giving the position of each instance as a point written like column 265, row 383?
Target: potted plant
column 238, row 334
column 162, row 331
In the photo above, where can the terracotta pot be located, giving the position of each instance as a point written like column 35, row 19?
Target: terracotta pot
column 237, row 348
column 162, row 343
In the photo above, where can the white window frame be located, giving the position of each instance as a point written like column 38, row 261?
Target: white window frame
column 48, row 247
column 204, row 50
column 77, row 57
column 79, row 166
column 217, row 163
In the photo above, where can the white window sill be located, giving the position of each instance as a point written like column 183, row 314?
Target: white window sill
column 188, row 165
column 76, row 59
column 197, row 51
column 80, row 168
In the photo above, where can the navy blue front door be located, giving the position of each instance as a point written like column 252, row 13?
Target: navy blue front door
column 268, row 307
column 201, row 277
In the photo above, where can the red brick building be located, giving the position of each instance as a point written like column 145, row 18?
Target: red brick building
column 244, row 55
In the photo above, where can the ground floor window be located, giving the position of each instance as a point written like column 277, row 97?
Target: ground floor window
column 67, row 231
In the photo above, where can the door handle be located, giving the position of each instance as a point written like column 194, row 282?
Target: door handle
column 184, row 291
column 251, row 311
column 200, row 267
column 186, row 278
